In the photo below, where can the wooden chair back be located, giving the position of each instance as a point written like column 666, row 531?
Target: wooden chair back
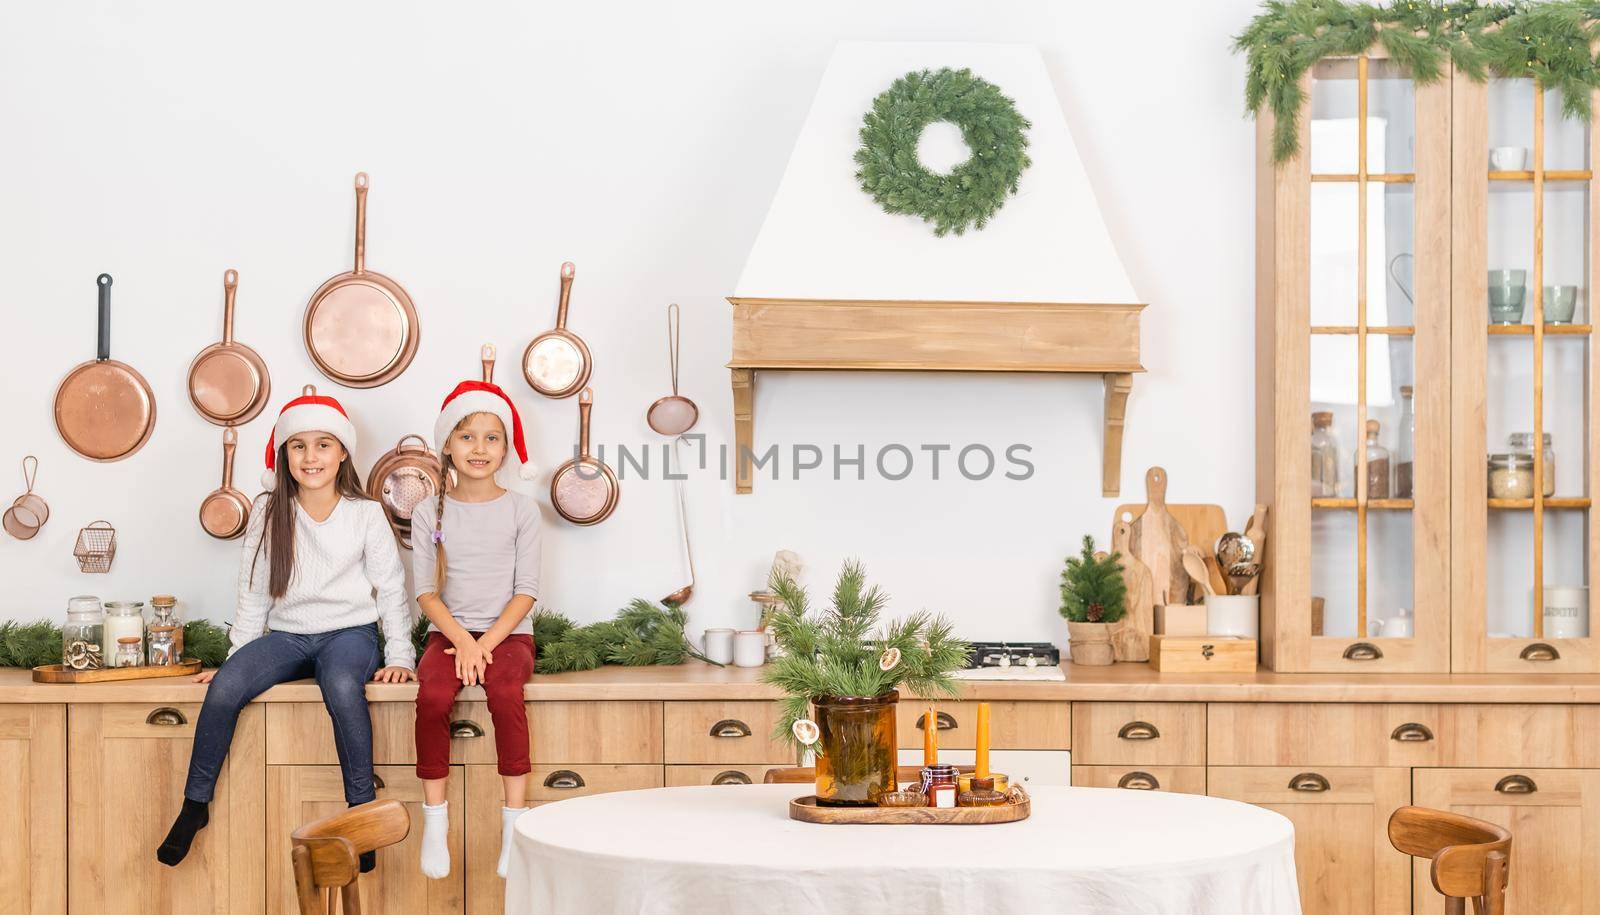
column 325, row 854
column 1471, row 858
column 801, row 775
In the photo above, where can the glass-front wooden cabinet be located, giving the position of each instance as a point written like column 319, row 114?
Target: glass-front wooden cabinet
column 1353, row 331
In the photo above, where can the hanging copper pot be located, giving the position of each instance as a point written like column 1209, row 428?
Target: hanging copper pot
column 105, row 409
column 361, row 327
column 228, row 381
column 557, row 362
column 225, row 513
column 403, row 477
column 584, row 490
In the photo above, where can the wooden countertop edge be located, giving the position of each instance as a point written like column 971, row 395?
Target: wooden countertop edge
column 696, row 681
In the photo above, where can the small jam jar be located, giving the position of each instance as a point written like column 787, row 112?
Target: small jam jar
column 939, row 784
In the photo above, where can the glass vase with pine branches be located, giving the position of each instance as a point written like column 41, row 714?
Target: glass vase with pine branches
column 850, row 668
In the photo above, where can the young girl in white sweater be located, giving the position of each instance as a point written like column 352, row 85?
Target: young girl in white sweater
column 314, row 552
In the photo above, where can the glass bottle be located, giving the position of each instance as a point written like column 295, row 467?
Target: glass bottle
column 123, row 618
column 81, row 645
column 1377, row 464
column 164, row 612
column 1511, row 476
column 128, row 654
column 1324, row 457
column 1522, row 443
column 162, row 643
column 1405, row 446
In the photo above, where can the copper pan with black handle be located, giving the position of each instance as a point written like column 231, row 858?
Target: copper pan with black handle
column 105, row 410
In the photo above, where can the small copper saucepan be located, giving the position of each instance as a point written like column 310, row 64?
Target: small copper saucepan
column 361, row 327
column 228, row 381
column 557, row 362
column 105, row 409
column 584, row 490
column 400, row 479
column 226, row 511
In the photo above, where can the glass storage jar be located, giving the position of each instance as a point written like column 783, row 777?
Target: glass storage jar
column 1522, row 443
column 123, row 618
column 164, row 612
column 81, row 647
column 1324, row 457
column 128, row 654
column 163, row 645
column 1511, row 476
column 1378, row 477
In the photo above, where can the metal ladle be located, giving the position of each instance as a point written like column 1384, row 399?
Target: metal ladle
column 1236, row 557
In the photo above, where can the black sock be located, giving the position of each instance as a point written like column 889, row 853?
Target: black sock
column 369, row 859
column 191, row 819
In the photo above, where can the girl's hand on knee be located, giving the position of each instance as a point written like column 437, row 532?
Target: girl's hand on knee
column 471, row 660
column 203, row 676
column 394, row 675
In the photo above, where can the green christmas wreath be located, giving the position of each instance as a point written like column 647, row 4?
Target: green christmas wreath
column 974, row 190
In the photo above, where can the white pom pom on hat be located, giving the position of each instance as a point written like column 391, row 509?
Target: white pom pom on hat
column 310, row 412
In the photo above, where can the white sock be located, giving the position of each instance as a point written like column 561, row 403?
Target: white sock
column 436, row 840
column 508, row 819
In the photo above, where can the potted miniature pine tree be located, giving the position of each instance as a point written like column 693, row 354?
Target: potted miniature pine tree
column 1093, row 596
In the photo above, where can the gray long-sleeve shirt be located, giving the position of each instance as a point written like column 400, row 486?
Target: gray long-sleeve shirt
column 492, row 553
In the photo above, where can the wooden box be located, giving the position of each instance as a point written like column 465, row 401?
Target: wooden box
column 1202, row 654
column 1181, row 619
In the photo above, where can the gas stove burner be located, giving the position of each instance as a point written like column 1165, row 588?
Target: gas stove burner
column 1013, row 654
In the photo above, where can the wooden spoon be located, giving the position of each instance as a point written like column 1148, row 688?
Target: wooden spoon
column 1195, row 564
column 1256, row 530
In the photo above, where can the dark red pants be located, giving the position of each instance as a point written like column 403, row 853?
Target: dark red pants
column 437, row 685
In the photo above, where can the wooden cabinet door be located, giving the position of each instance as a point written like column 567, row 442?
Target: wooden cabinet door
column 125, row 775
column 1341, row 844
column 299, row 794
column 33, row 774
column 1554, row 818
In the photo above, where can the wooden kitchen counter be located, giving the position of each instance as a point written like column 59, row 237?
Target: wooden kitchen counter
column 1117, row 683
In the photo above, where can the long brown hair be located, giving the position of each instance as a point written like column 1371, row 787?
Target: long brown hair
column 447, row 472
column 279, row 512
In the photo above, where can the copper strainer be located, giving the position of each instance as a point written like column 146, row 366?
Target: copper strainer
column 29, row 512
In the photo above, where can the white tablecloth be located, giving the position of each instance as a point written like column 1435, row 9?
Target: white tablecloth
column 733, row 849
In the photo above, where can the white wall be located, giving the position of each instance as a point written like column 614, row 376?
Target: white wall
column 644, row 141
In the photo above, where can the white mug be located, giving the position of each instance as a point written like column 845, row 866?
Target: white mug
column 1233, row 614
column 1508, row 158
column 1566, row 612
column 719, row 645
column 750, row 648
column 1398, row 627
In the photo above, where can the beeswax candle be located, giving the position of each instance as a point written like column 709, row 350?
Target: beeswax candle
column 981, row 759
column 930, row 738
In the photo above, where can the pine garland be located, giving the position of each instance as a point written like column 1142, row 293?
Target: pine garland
column 970, row 195
column 29, row 645
column 1092, row 589
column 841, row 651
column 1548, row 42
column 641, row 634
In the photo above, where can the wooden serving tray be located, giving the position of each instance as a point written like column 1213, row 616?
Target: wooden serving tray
column 807, row 810
column 60, row 673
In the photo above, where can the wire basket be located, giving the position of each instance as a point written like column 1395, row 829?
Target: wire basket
column 96, row 547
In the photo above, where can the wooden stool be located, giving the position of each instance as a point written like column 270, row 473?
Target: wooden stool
column 803, row 774
column 1471, row 858
column 326, row 853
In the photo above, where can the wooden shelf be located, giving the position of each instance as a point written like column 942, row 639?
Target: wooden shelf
column 1550, row 330
column 1549, row 175
column 926, row 336
column 1372, row 504
column 1351, row 329
column 1557, row 502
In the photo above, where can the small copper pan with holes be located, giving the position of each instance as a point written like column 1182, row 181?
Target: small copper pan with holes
column 361, row 327
column 226, row 511
column 557, row 362
column 228, row 381
column 407, row 474
column 105, row 410
column 584, row 490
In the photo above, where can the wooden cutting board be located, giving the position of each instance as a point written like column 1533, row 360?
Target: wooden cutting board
column 1202, row 525
column 1156, row 538
column 1130, row 639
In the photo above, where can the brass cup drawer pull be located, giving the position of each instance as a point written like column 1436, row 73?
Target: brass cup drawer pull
column 1138, row 730
column 1139, row 781
column 947, row 721
column 166, row 716
column 1516, row 784
column 377, row 782
column 1363, row 651
column 564, row 780
column 730, row 728
column 1540, row 651
column 731, row 777
column 465, row 729
column 1412, row 732
column 1311, row 782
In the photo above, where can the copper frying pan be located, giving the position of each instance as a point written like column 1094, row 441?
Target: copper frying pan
column 226, row 511
column 228, row 381
column 557, row 362
column 584, row 490
column 105, row 410
column 400, row 479
column 361, row 327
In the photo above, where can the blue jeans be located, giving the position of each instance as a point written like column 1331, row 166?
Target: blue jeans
column 343, row 661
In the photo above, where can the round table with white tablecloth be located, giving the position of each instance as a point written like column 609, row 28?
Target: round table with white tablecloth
column 733, row 849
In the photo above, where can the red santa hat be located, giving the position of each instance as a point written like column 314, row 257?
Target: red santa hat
column 471, row 397
column 310, row 412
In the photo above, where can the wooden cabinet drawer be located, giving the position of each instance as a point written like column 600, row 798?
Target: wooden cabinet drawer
column 678, row 776
column 1012, row 725
column 724, row 732
column 557, row 783
column 1327, row 734
column 1181, row 779
column 1552, row 736
column 1139, row 733
column 301, row 734
column 567, row 732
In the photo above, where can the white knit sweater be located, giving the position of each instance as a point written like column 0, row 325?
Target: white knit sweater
column 347, row 572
